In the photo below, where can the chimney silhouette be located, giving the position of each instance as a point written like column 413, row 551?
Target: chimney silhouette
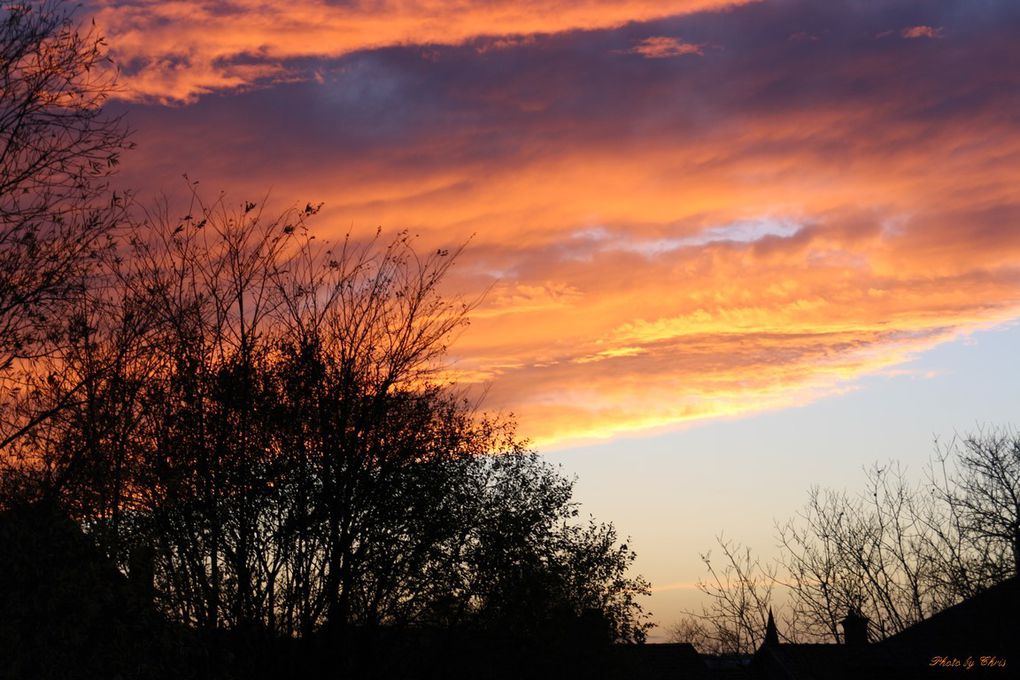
column 855, row 628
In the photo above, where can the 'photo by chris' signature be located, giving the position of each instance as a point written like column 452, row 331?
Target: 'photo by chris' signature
column 967, row 663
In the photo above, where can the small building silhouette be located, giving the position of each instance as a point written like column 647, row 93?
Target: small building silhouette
column 979, row 637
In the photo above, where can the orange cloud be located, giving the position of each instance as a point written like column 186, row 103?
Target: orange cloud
column 175, row 51
column 697, row 304
column 662, row 240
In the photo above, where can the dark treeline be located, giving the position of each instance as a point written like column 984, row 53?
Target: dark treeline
column 253, row 425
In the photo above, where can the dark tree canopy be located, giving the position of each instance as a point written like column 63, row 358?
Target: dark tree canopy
column 266, row 436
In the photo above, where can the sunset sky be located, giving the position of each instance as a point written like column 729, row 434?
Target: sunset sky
column 728, row 249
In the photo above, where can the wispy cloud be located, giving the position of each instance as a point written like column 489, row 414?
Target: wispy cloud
column 665, row 47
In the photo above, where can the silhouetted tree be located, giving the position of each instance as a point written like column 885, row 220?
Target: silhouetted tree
column 56, row 214
column 977, row 480
column 533, row 569
column 740, row 593
column 265, row 420
column 875, row 552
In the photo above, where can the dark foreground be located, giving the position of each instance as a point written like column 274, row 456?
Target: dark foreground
column 66, row 612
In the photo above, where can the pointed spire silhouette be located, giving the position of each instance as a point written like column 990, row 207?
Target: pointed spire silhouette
column 771, row 634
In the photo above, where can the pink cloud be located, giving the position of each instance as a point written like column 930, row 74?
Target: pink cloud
column 912, row 32
column 665, row 47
